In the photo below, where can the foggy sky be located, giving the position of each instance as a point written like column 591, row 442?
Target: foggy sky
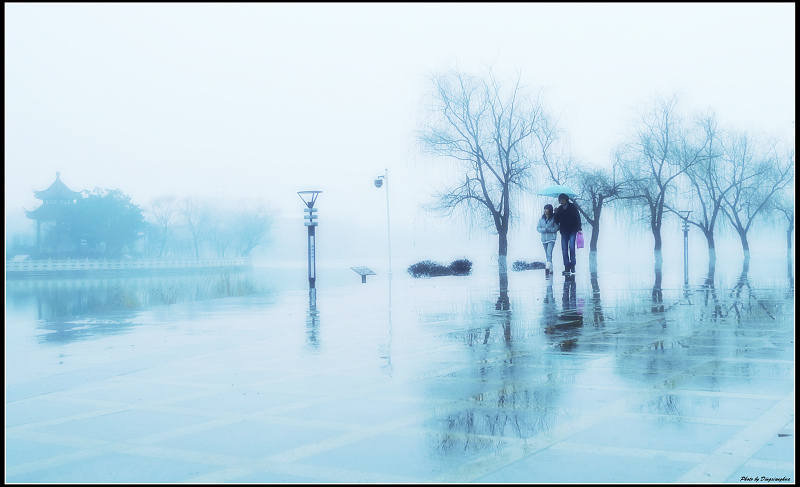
column 231, row 101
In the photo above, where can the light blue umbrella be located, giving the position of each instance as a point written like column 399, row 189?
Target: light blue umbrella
column 556, row 190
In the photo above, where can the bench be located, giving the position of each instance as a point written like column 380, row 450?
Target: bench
column 363, row 272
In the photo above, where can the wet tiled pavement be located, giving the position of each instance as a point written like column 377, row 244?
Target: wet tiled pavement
column 612, row 377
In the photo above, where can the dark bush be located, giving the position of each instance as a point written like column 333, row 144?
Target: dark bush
column 427, row 268
column 524, row 266
column 461, row 267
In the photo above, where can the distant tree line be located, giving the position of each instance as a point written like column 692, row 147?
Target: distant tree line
column 503, row 145
column 198, row 228
column 105, row 223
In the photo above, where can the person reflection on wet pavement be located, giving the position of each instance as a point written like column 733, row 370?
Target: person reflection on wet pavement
column 567, row 326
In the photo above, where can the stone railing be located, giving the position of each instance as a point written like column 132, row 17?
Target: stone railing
column 92, row 265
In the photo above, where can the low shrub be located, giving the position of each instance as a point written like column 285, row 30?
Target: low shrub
column 461, row 267
column 427, row 268
column 525, row 266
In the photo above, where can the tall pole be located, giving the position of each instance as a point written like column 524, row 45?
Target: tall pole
column 686, row 246
column 388, row 225
column 310, row 216
column 312, row 259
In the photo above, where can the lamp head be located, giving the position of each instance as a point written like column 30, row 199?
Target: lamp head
column 378, row 182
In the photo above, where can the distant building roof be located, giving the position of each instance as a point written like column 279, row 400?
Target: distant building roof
column 58, row 191
column 50, row 211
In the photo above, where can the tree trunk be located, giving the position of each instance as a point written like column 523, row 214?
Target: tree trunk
column 655, row 226
column 712, row 258
column 745, row 244
column 595, row 236
column 657, row 238
column 596, row 225
column 502, row 250
column 712, row 251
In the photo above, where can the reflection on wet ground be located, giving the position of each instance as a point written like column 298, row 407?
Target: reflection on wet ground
column 643, row 377
column 75, row 309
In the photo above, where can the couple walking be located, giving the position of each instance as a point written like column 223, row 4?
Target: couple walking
column 564, row 219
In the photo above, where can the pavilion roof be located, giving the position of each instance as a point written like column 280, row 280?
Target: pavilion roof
column 49, row 211
column 57, row 191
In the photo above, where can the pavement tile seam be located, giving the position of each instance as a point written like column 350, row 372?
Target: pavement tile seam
column 729, row 394
column 516, row 452
column 220, row 476
column 55, row 439
column 566, row 430
column 213, row 423
column 664, row 418
column 178, row 454
column 619, row 451
column 723, row 462
column 343, row 439
column 336, row 475
column 54, row 461
column 67, row 419
column 759, row 464
column 399, row 426
column 493, row 438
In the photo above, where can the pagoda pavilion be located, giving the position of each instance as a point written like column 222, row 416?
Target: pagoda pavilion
column 57, row 203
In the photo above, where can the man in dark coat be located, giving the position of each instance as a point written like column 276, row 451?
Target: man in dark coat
column 569, row 224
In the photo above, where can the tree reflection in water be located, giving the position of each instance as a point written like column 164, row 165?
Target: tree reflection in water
column 598, row 316
column 506, row 394
column 746, row 301
column 72, row 309
column 740, row 318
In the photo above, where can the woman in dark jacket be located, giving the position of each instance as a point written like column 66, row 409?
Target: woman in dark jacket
column 569, row 224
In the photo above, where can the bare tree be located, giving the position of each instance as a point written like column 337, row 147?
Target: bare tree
column 493, row 133
column 784, row 203
column 661, row 150
column 220, row 232
column 162, row 212
column 251, row 227
column 756, row 174
column 707, row 186
column 595, row 187
column 195, row 216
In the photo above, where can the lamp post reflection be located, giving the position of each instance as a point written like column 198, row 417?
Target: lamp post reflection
column 387, row 353
column 312, row 320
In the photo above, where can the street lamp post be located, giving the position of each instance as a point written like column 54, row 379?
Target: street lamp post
column 685, row 228
column 309, row 197
column 378, row 183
